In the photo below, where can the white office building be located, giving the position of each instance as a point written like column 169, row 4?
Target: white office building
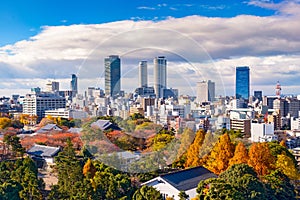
column 262, row 132
column 205, row 91
column 67, row 114
column 37, row 104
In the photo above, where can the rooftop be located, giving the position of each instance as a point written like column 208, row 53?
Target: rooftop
column 43, row 151
column 188, row 179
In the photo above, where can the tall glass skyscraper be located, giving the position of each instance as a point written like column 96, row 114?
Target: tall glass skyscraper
column 242, row 82
column 143, row 74
column 112, row 75
column 74, row 86
column 160, row 75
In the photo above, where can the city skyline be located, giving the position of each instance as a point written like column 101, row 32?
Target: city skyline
column 209, row 39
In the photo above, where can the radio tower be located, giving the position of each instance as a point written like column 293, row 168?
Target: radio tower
column 278, row 89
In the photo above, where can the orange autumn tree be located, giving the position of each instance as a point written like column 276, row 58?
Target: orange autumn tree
column 240, row 155
column 222, row 152
column 89, row 169
column 261, row 159
column 193, row 158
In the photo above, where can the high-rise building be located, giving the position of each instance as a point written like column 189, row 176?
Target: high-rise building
column 112, row 75
column 258, row 95
column 52, row 86
column 37, row 104
column 242, row 83
column 205, row 91
column 143, row 74
column 160, row 75
column 74, row 85
column 281, row 105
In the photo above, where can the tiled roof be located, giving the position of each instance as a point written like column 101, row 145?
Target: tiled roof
column 188, row 179
column 43, row 151
column 48, row 127
column 102, row 124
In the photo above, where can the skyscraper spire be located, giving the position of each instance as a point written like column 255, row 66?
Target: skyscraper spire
column 278, row 89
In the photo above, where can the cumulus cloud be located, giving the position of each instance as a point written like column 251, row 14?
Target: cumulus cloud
column 196, row 47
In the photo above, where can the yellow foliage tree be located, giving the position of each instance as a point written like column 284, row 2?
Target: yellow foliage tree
column 186, row 140
column 89, row 169
column 193, row 157
column 222, row 152
column 261, row 159
column 285, row 164
column 240, row 155
column 4, row 122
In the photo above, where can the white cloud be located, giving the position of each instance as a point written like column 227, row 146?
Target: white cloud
column 146, row 8
column 196, row 47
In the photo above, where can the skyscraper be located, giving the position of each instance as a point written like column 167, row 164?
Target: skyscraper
column 205, row 91
column 143, row 74
column 242, row 82
column 258, row 95
column 74, row 86
column 112, row 75
column 160, row 75
column 52, row 86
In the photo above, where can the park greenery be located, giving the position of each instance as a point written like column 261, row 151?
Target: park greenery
column 245, row 170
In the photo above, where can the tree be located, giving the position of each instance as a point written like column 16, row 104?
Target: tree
column 193, row 157
column 240, row 155
column 277, row 149
column 5, row 122
column 244, row 179
column 215, row 188
column 89, row 169
column 222, row 152
column 147, row 193
column 286, row 165
column 69, row 171
column 261, row 159
column 14, row 144
column 278, row 186
column 183, row 196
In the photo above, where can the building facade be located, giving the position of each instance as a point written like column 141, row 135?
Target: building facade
column 160, row 75
column 37, row 104
column 74, row 85
column 205, row 91
column 143, row 74
column 112, row 75
column 242, row 83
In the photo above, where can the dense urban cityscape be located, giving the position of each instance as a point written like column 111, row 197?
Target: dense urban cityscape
column 76, row 138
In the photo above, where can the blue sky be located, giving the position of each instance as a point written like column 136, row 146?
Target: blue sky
column 21, row 19
column 41, row 40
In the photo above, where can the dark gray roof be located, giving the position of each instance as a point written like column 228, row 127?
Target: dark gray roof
column 102, row 124
column 105, row 125
column 43, row 151
column 48, row 127
column 188, row 179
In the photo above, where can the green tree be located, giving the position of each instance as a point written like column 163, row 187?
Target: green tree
column 147, row 193
column 14, row 144
column 214, row 188
column 278, row 186
column 244, row 179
